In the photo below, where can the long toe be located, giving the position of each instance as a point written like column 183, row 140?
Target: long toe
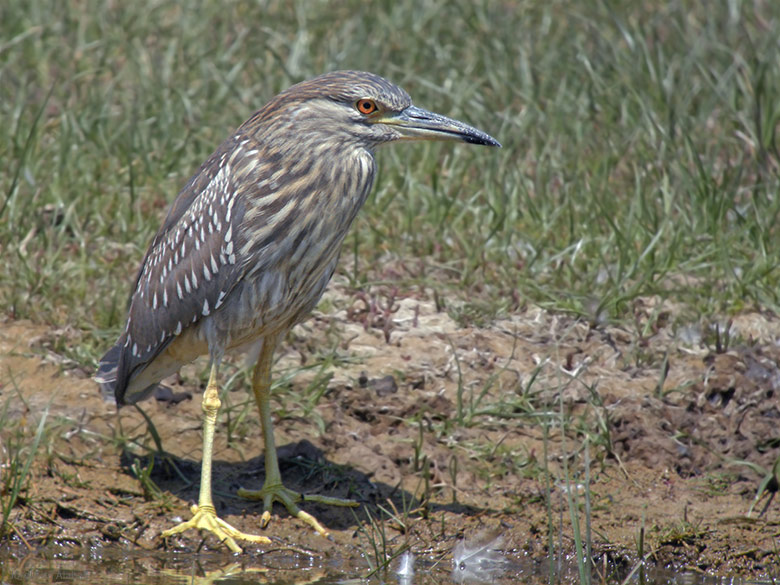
column 289, row 498
column 205, row 518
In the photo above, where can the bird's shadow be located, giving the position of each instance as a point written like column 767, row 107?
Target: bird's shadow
column 304, row 469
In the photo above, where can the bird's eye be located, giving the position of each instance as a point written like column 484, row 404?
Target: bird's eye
column 366, row 106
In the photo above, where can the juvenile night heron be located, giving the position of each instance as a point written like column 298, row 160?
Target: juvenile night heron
column 249, row 246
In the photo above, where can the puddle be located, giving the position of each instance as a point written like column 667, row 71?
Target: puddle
column 53, row 566
column 116, row 566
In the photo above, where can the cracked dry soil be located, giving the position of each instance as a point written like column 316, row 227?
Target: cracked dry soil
column 667, row 417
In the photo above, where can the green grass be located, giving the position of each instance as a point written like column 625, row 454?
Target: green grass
column 20, row 448
column 639, row 146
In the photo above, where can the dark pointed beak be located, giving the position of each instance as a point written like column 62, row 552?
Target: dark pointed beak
column 414, row 123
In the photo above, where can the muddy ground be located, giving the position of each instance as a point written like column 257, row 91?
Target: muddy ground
column 668, row 414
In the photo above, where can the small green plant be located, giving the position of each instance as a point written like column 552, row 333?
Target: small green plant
column 717, row 484
column 768, row 486
column 682, row 532
column 19, row 454
column 583, row 546
column 380, row 551
column 719, row 337
column 143, row 474
column 595, row 426
column 470, row 404
column 471, row 314
column 639, row 565
column 548, row 498
column 238, row 416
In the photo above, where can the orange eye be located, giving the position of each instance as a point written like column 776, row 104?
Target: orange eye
column 366, row 106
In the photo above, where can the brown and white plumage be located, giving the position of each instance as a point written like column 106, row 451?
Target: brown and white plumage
column 249, row 230
column 252, row 240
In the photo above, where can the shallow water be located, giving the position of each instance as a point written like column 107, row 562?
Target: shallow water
column 115, row 566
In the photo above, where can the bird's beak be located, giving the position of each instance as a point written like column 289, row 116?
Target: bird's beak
column 414, row 123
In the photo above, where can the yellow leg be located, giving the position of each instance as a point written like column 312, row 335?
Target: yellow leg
column 273, row 489
column 204, row 515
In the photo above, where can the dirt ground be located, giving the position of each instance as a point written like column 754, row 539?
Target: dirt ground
column 667, row 416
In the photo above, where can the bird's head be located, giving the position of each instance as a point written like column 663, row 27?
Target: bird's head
column 364, row 108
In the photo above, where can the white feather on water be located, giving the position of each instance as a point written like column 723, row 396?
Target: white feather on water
column 477, row 560
column 406, row 565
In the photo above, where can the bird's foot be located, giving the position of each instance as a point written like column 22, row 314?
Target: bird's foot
column 277, row 492
column 205, row 518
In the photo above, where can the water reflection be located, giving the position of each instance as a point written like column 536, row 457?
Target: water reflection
column 169, row 569
column 112, row 567
column 104, row 568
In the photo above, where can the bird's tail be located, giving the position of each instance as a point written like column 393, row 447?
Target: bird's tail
column 107, row 373
column 114, row 385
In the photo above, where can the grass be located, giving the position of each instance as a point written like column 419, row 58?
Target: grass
column 768, row 486
column 378, row 548
column 640, row 160
column 18, row 455
column 639, row 152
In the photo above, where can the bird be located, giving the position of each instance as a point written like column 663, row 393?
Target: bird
column 247, row 249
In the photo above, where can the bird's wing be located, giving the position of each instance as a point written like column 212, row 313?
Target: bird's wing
column 188, row 270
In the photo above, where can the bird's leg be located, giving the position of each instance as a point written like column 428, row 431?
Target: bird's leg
column 204, row 514
column 273, row 489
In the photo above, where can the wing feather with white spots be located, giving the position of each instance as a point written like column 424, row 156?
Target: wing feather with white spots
column 190, row 267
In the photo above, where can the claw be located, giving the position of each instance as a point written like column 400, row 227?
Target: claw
column 205, row 518
column 277, row 492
